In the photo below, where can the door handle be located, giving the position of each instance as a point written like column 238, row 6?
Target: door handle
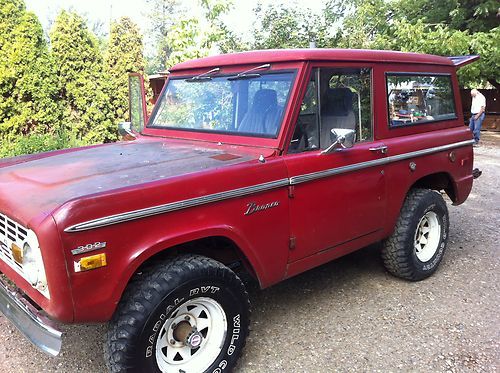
column 382, row 149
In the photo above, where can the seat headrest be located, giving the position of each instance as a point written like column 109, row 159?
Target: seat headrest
column 338, row 101
column 265, row 98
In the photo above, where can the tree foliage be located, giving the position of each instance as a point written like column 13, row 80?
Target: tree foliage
column 192, row 37
column 365, row 21
column 464, row 15
column 283, row 25
column 455, row 27
column 28, row 88
column 180, row 34
column 72, row 89
column 124, row 54
column 83, row 84
column 162, row 15
column 218, row 34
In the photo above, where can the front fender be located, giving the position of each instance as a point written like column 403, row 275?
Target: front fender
column 245, row 249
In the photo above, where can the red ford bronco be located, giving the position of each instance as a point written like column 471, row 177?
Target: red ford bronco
column 263, row 164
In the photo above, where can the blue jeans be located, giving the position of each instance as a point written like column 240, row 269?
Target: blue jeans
column 475, row 126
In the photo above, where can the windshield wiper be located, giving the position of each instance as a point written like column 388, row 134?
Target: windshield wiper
column 203, row 76
column 248, row 73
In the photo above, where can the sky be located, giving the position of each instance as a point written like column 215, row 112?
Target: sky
column 105, row 10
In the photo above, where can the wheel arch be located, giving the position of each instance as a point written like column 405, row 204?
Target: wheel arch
column 217, row 247
column 221, row 244
column 437, row 181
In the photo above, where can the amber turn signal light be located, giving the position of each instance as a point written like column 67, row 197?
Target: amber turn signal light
column 91, row 262
column 17, row 253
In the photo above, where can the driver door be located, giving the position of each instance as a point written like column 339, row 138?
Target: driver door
column 336, row 200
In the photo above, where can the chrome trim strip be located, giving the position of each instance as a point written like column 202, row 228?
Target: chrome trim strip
column 377, row 162
column 174, row 206
column 35, row 326
column 240, row 192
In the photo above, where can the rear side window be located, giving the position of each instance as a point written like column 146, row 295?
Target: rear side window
column 414, row 99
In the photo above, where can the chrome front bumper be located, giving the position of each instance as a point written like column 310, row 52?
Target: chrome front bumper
column 39, row 329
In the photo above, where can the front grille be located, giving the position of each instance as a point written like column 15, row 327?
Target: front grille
column 11, row 232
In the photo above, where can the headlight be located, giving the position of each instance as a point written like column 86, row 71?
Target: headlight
column 30, row 264
column 34, row 271
column 19, row 249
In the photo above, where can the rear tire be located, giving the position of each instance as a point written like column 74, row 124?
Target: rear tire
column 417, row 245
column 190, row 315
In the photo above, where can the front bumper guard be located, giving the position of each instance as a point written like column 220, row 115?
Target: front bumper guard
column 37, row 327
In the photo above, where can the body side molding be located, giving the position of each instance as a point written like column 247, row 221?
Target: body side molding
column 240, row 192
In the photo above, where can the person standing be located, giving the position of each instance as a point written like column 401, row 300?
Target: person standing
column 477, row 110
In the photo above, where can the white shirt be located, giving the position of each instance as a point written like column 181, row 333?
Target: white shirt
column 477, row 102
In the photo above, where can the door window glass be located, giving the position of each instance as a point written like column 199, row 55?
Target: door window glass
column 335, row 98
column 345, row 103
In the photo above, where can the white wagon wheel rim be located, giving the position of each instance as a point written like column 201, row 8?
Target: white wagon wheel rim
column 427, row 236
column 192, row 338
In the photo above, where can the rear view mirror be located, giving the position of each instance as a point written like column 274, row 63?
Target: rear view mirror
column 341, row 139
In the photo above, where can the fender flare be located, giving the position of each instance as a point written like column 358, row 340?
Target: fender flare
column 142, row 255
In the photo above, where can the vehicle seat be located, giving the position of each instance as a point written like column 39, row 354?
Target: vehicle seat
column 336, row 112
column 264, row 114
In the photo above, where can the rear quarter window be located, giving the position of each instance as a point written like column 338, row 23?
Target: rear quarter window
column 418, row 98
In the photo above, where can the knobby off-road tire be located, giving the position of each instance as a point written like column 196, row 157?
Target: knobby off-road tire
column 190, row 314
column 417, row 245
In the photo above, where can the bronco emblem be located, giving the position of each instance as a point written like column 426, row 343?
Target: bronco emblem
column 253, row 207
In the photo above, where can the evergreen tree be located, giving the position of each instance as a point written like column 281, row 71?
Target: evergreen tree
column 28, row 86
column 84, row 84
column 124, row 55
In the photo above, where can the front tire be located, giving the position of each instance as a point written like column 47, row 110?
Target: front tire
column 417, row 245
column 189, row 315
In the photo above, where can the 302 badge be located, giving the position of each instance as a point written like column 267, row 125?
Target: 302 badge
column 88, row 247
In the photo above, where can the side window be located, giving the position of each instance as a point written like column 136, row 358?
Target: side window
column 335, row 98
column 416, row 99
column 346, row 103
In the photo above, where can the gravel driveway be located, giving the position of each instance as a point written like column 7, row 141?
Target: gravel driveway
column 350, row 315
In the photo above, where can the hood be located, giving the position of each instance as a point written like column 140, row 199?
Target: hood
column 40, row 183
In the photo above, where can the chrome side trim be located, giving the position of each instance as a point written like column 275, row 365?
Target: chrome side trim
column 174, row 206
column 294, row 180
column 240, row 192
column 39, row 329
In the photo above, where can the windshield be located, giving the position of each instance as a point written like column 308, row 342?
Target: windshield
column 250, row 106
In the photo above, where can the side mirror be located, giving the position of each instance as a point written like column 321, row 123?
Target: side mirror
column 126, row 132
column 341, row 139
